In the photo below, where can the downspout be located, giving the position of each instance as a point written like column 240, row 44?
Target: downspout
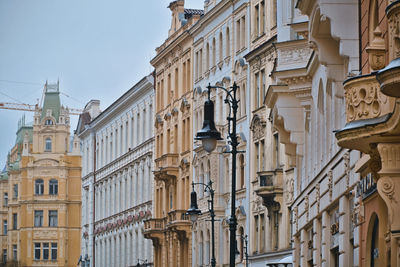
column 94, row 196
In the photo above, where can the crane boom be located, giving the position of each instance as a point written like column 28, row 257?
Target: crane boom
column 27, row 107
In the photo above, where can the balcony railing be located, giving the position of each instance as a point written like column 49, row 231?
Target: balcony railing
column 155, row 224
column 366, row 186
column 177, row 215
column 269, row 184
column 167, row 161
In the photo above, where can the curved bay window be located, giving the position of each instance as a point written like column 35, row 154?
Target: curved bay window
column 47, row 147
column 39, row 187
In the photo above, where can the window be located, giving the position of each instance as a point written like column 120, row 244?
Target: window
column 47, row 147
column 53, row 187
column 39, row 187
column 221, row 45
column 38, row 218
column 228, row 43
column 48, row 122
column 46, row 251
column 15, row 221
column 214, row 52
column 208, row 56
column 4, row 255
column 15, row 252
column 241, row 162
column 53, row 251
column 37, row 251
column 53, row 218
column 4, row 227
column 15, row 191
column 5, row 199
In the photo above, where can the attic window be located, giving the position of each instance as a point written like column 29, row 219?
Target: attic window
column 48, row 122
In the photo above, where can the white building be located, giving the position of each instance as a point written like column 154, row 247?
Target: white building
column 316, row 52
column 117, row 156
column 221, row 39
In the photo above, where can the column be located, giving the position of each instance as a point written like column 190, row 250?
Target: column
column 303, row 247
column 129, row 186
column 325, row 240
column 344, row 228
column 317, row 242
column 123, row 204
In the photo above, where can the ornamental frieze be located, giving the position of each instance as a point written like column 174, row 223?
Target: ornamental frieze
column 364, row 99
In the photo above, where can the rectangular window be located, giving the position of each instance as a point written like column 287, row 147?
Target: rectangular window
column 15, row 191
column 15, row 221
column 238, row 35
column 53, row 187
column 5, row 199
column 262, row 233
column 37, row 251
column 257, row 20
column 15, row 252
column 262, row 88
column 176, row 83
column 256, row 235
column 45, row 251
column 38, row 218
column 4, row 255
column 257, row 93
column 53, row 251
column 262, row 17
column 5, row 227
column 53, row 218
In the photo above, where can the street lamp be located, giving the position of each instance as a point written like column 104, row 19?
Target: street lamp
column 194, row 212
column 209, row 136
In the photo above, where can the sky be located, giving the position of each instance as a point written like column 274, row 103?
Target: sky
column 97, row 49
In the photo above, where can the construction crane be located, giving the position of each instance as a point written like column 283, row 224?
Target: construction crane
column 27, row 107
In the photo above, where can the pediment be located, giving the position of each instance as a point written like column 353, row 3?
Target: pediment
column 46, row 162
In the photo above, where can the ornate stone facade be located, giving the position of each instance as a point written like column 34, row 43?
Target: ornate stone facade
column 220, row 43
column 43, row 222
column 170, row 227
column 117, row 155
column 374, row 131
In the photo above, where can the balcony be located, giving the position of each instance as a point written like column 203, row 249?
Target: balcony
column 269, row 186
column 369, row 114
column 154, row 228
column 178, row 220
column 167, row 167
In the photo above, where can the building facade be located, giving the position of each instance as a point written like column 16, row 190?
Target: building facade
column 117, row 157
column 170, row 227
column 317, row 49
column 221, row 39
column 372, row 128
column 271, row 174
column 43, row 224
column 4, row 214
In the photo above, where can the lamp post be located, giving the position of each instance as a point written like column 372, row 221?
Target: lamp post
column 209, row 136
column 194, row 212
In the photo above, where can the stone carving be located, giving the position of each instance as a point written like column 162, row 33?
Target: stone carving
column 346, row 158
column 258, row 127
column 393, row 15
column 307, row 206
column 290, row 56
column 330, row 184
column 317, row 195
column 386, row 186
column 376, row 50
column 364, row 99
column 296, row 218
column 290, row 190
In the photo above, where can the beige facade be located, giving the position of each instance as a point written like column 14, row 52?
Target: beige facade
column 44, row 181
column 170, row 228
column 373, row 128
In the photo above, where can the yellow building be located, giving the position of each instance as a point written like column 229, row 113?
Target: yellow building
column 3, row 214
column 170, row 228
column 44, row 206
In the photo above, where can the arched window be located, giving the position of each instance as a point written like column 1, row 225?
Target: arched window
column 208, row 56
column 374, row 252
column 200, row 262
column 48, row 122
column 242, row 178
column 228, row 43
column 214, row 48
column 39, row 187
column 47, row 147
column 53, row 187
column 221, row 45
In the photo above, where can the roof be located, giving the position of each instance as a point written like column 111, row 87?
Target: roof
column 84, row 118
column 189, row 12
column 51, row 100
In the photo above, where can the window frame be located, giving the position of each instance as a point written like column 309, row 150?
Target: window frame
column 39, row 187
column 38, row 218
column 53, row 187
column 53, row 215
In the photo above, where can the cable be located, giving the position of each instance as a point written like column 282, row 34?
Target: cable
column 10, row 81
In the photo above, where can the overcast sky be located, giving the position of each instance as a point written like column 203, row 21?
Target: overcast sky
column 98, row 49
